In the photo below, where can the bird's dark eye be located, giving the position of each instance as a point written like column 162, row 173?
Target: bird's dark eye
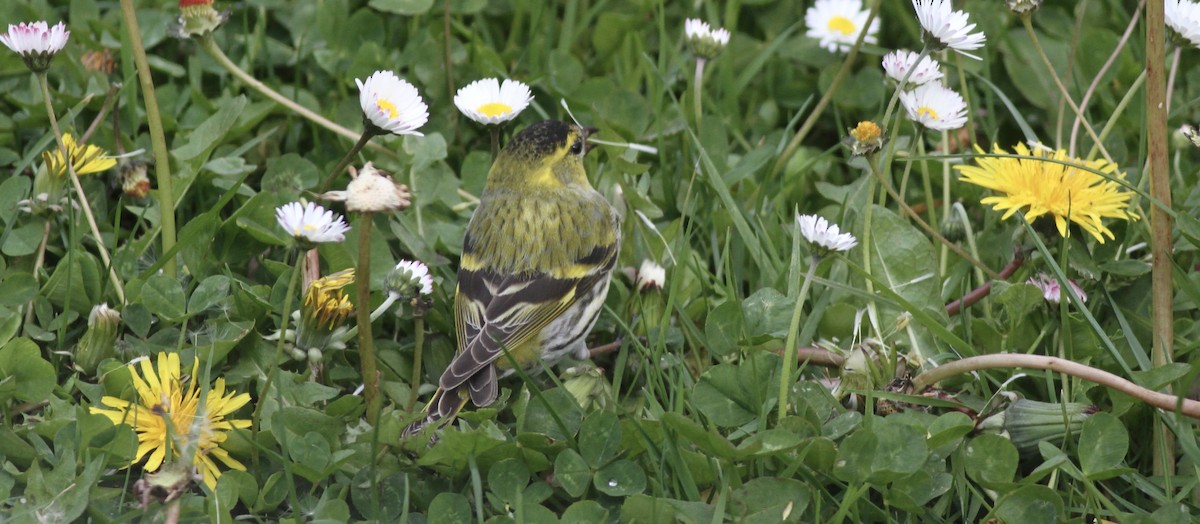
column 577, row 147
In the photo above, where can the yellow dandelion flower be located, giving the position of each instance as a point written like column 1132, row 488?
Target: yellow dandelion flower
column 85, row 159
column 1040, row 187
column 165, row 417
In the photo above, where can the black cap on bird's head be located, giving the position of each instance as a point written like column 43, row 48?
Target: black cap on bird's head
column 546, row 137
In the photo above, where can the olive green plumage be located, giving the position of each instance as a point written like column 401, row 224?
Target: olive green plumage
column 535, row 267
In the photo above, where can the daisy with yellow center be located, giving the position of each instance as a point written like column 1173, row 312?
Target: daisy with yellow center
column 488, row 101
column 310, row 223
column 837, row 24
column 166, row 418
column 1052, row 184
column 86, row 159
column 391, row 105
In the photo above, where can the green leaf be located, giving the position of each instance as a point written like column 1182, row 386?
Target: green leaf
column 586, row 511
column 508, row 479
column 768, row 500
column 202, row 140
column 731, row 395
column 1018, row 300
column 450, row 508
column 1102, row 446
column 17, row 289
column 539, row 419
column 572, row 472
column 402, row 7
column 1031, row 504
column 23, row 240
column 24, row 374
column 990, row 459
column 163, row 295
column 723, row 328
column 881, row 452
column 599, row 438
column 768, row 314
column 903, row 260
column 75, row 283
column 620, row 479
column 212, row 291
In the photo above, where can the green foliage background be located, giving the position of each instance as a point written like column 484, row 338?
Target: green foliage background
column 689, row 433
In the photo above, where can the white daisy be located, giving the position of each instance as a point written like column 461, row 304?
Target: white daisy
column 705, row 41
column 310, row 223
column 935, row 106
column 1183, row 18
column 36, row 42
column 897, row 64
column 410, row 278
column 946, row 28
column 823, row 236
column 488, row 101
column 837, row 24
column 651, row 276
column 1052, row 291
column 391, row 104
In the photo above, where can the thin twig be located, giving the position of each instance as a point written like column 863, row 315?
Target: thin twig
column 927, row 379
column 1112, row 58
column 978, row 293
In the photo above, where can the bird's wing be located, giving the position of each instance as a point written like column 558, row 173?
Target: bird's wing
column 497, row 311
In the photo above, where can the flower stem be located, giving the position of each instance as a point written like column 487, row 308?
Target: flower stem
column 345, row 161
column 366, row 347
column 1027, row 20
column 83, row 201
column 1112, row 57
column 927, row 379
column 207, row 43
column 158, row 138
column 697, row 82
column 38, row 261
column 495, row 129
column 274, row 364
column 828, row 96
column 1161, row 243
column 789, row 346
column 418, row 351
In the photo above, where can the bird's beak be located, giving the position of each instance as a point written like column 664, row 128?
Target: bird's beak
column 587, row 132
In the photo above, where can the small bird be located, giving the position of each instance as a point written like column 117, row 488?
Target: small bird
column 535, row 267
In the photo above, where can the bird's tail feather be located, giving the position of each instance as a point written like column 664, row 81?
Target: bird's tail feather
column 441, row 409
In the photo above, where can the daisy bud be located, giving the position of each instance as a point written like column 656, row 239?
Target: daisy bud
column 952, row 225
column 36, row 42
column 705, row 41
column 1022, row 7
column 197, row 17
column 1188, row 132
column 824, row 238
column 99, row 341
column 408, row 280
